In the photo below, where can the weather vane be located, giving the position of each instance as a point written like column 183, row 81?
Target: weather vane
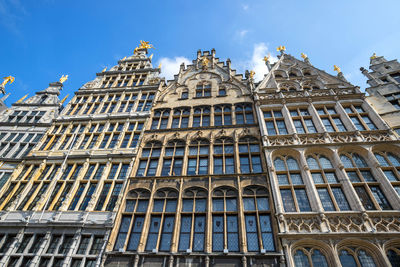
column 8, row 79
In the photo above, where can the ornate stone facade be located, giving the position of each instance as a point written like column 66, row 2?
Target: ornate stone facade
column 333, row 166
column 199, row 193
column 62, row 199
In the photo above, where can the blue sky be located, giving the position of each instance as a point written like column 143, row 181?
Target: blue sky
column 42, row 39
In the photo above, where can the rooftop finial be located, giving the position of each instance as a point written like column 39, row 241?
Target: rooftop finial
column 21, row 99
column 337, row 69
column 104, row 69
column 252, row 73
column 63, row 78
column 65, row 98
column 281, row 49
column 304, row 56
column 204, row 62
column 7, row 79
column 266, row 58
column 373, row 56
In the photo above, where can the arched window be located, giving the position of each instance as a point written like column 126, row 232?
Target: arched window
column 224, row 160
column 222, row 115
column 201, row 117
column 257, row 219
column 244, row 113
column 328, row 187
column 364, row 183
column 292, row 74
column 149, row 159
column 198, row 157
column 390, row 165
column 291, row 185
column 180, row 118
column 393, row 255
column 311, row 257
column 185, row 94
column 173, row 158
column 193, row 220
column 160, row 119
column 356, row 257
column 162, row 220
column 225, row 220
column 249, row 155
column 222, row 91
column 203, row 90
column 135, row 209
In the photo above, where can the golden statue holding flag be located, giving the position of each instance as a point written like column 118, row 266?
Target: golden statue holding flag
column 8, row 79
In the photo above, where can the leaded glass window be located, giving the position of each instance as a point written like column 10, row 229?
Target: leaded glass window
column 149, row 159
column 224, row 160
column 249, row 155
column 173, row 158
column 198, row 157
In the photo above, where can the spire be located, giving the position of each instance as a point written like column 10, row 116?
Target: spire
column 65, row 98
column 22, row 99
column 5, row 97
column 266, row 60
column 305, row 57
column 339, row 73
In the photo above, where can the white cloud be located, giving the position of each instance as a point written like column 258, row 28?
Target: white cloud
column 256, row 62
column 170, row 66
column 245, row 7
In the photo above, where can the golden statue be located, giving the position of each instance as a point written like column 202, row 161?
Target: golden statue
column 304, row 56
column 337, row 69
column 143, row 45
column 104, row 69
column 281, row 48
column 6, row 80
column 373, row 56
column 159, row 66
column 63, row 78
column 252, row 72
column 204, row 61
column 151, row 57
column 123, row 58
column 266, row 58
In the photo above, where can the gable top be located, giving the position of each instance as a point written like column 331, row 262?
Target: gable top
column 290, row 70
column 46, row 97
column 213, row 65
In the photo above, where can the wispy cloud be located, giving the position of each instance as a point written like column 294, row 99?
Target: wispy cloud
column 11, row 13
column 245, row 7
column 170, row 66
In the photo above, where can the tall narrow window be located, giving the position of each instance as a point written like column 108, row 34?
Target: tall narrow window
column 222, row 115
column 193, row 220
column 364, row 183
column 275, row 122
column 198, row 157
column 257, row 219
column 180, row 118
column 162, row 220
column 390, row 165
column 302, row 120
column 201, row 117
column 328, row 187
column 224, row 161
column 249, row 155
column 160, row 119
column 291, row 185
column 331, row 119
column 149, row 159
column 173, row 158
column 135, row 209
column 225, row 220
column 351, row 256
column 244, row 113
column 360, row 118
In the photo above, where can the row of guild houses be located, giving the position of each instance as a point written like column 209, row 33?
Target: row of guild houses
column 208, row 169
